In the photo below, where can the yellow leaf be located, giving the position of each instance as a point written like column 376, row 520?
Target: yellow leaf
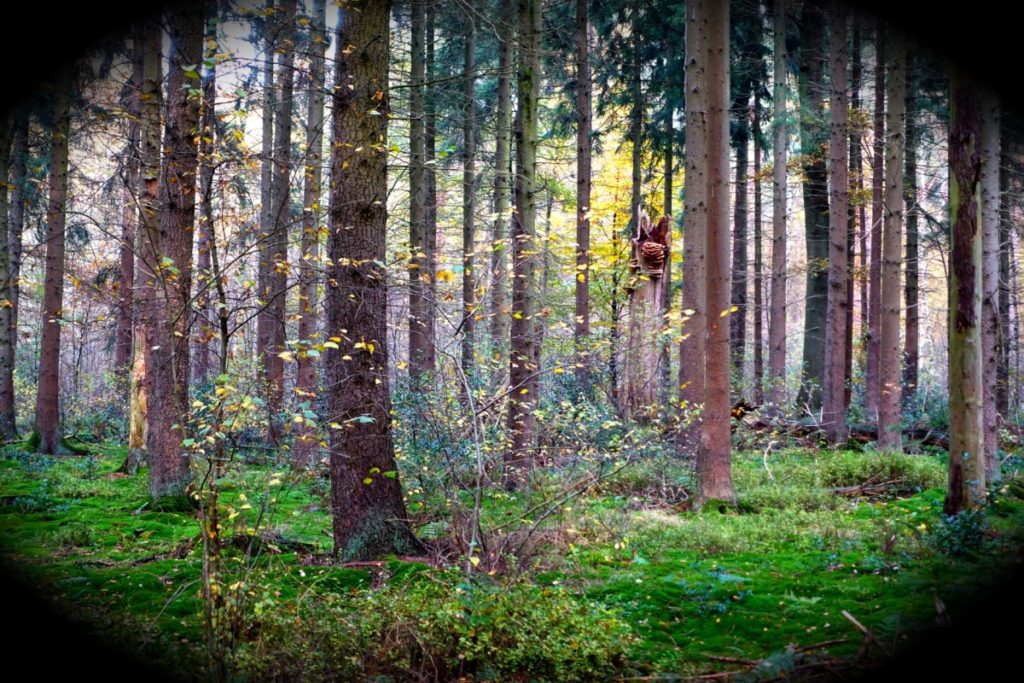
column 474, row 561
column 368, row 481
column 286, row 355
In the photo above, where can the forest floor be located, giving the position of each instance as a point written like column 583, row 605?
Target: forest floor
column 834, row 560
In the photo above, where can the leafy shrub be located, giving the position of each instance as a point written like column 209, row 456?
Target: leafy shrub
column 431, row 630
column 961, row 534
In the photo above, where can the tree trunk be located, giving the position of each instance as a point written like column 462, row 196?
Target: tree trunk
column 430, row 97
column 168, row 372
column 990, row 117
column 665, row 390
column 204, row 332
column 15, row 227
column 1003, row 368
column 912, row 335
column 966, row 487
column 48, row 393
column 147, row 243
column 521, row 353
column 469, row 312
column 813, row 138
column 268, row 30
column 648, row 264
column 777, row 320
column 502, row 150
column 889, row 432
column 758, row 266
column 874, row 337
column 307, row 440
column 692, row 348
column 714, row 467
column 273, row 318
column 834, row 395
column 857, row 212
column 369, row 512
column 584, row 118
column 421, row 346
column 8, row 430
column 129, row 217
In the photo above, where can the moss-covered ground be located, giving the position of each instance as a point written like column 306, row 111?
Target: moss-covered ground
column 781, row 584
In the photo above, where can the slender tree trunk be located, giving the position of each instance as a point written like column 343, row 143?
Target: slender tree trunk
column 521, row 367
column 48, row 392
column 813, row 137
column 369, row 512
column 758, row 266
column 583, row 182
column 777, row 320
column 966, row 487
column 421, row 346
column 15, row 227
column 147, row 244
column 636, row 123
column 1003, row 369
column 857, row 169
column 890, row 433
column 168, row 373
column 208, row 122
column 307, row 441
column 989, row 214
column 714, row 467
column 834, row 395
column 469, row 306
column 266, row 177
column 912, row 334
column 856, row 210
column 8, row 430
column 430, row 99
column 129, row 216
column 665, row 390
column 738, row 297
column 277, row 273
column 692, row 348
column 502, row 152
column 877, row 205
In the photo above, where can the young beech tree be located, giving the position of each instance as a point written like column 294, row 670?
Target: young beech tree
column 777, row 320
column 369, row 512
column 48, row 392
column 990, row 276
column 966, row 487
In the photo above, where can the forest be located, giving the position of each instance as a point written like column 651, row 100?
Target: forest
column 513, row 340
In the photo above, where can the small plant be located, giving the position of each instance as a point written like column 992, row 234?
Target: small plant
column 958, row 535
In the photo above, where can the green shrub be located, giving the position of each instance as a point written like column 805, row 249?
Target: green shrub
column 431, row 630
column 961, row 534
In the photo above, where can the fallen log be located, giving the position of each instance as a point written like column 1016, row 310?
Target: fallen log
column 859, row 433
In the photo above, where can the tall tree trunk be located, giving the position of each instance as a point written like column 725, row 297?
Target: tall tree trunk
column 469, row 307
column 307, row 441
column 665, row 390
column 15, row 227
column 268, row 31
column 584, row 118
column 966, row 488
column 1003, row 368
column 857, row 161
column 636, row 123
column 758, row 266
column 168, row 373
column 877, row 205
column 147, row 243
column 129, row 216
column 890, row 434
column 714, row 467
column 692, row 348
column 738, row 296
column 502, row 151
column 912, row 335
column 208, row 121
column 369, row 512
column 8, row 430
column 430, row 99
column 48, row 392
column 856, row 211
column 777, row 320
column 813, row 137
column 421, row 351
column 521, row 367
column 990, row 118
column 273, row 318
column 834, row 395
